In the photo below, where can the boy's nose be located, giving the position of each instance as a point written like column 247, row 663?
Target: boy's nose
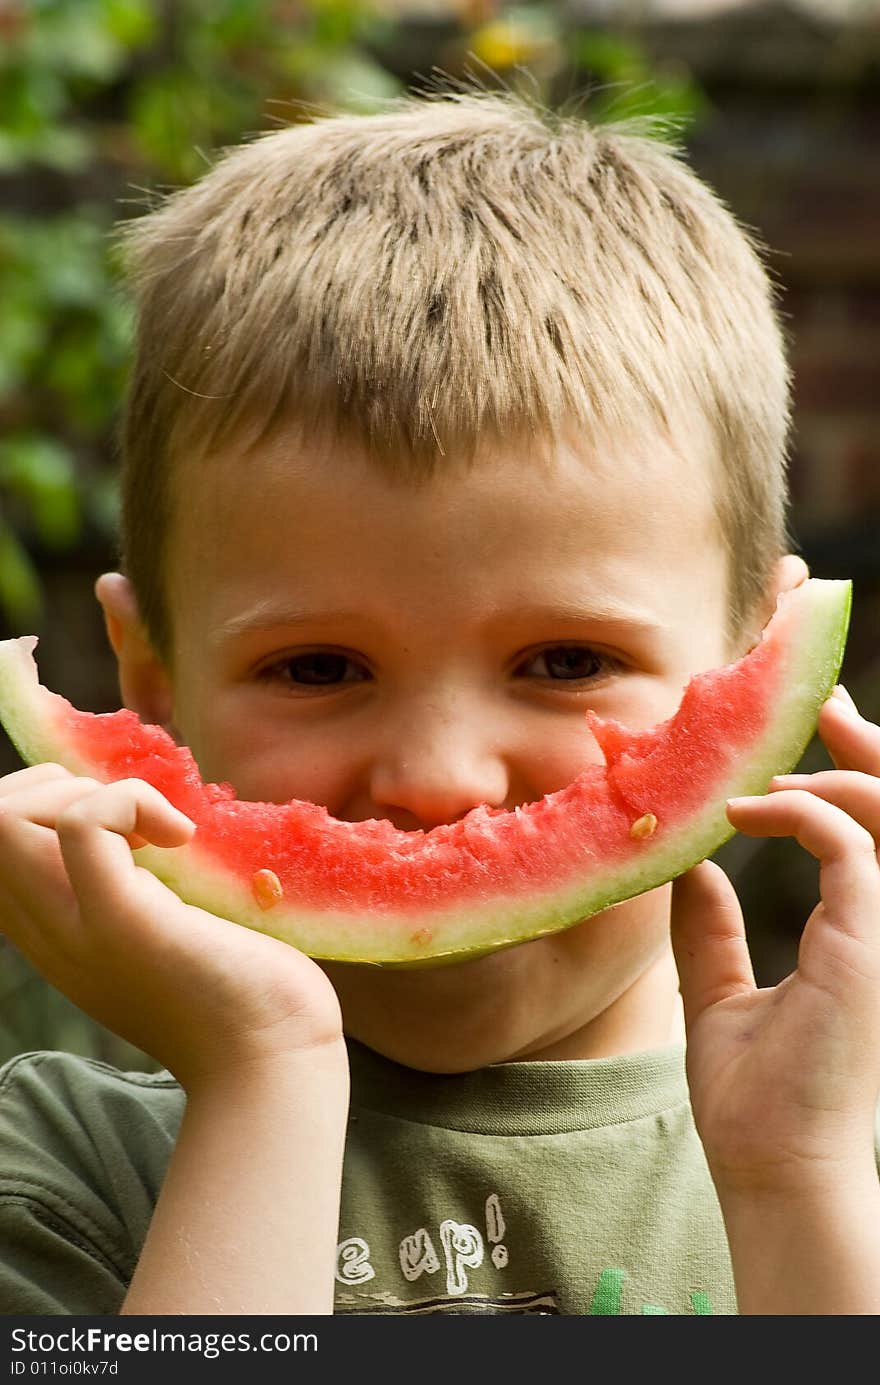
column 423, row 780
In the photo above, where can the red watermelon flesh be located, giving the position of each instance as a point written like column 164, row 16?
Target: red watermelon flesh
column 368, row 892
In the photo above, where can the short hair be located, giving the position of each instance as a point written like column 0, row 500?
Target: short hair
column 454, row 271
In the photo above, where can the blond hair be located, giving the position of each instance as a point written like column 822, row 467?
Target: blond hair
column 457, row 270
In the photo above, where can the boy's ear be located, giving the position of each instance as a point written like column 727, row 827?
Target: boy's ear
column 143, row 680
column 790, row 571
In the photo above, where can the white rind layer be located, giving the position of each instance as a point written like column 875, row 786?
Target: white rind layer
column 814, row 619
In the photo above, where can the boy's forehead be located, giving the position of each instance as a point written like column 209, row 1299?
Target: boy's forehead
column 678, row 458
column 309, row 510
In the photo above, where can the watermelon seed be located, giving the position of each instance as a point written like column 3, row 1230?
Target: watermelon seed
column 267, row 889
column 643, row 826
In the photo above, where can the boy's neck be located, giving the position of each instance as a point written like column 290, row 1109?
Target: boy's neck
column 649, row 1015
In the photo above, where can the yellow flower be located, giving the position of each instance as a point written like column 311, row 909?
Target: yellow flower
column 504, row 43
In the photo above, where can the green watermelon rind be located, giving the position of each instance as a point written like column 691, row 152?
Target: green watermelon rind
column 407, row 938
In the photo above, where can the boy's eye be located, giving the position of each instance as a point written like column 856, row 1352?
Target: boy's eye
column 317, row 669
column 327, row 668
column 567, row 662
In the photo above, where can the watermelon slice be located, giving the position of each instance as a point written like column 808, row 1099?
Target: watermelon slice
column 367, row 892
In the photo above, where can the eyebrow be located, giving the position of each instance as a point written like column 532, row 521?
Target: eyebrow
column 624, row 617
column 267, row 616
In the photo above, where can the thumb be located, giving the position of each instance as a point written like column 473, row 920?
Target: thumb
column 708, row 939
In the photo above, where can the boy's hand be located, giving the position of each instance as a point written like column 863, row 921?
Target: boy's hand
column 200, row 994
column 785, row 1080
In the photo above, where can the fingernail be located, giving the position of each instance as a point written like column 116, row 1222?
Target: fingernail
column 788, row 781
column 841, row 695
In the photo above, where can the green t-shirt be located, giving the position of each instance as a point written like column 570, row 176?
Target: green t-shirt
column 564, row 1187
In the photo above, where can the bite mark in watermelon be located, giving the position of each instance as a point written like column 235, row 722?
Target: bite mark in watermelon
column 368, row 892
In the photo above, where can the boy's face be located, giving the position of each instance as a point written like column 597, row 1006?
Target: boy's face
column 405, row 652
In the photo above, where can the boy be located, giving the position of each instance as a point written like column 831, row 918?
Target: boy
column 445, row 425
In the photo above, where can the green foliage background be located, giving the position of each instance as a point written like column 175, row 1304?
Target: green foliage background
column 103, row 103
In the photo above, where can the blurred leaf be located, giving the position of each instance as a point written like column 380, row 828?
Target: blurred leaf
column 672, row 98
column 32, row 103
column 175, row 115
column 608, row 55
column 336, row 22
column 63, row 259
column 627, row 84
column 351, row 81
column 68, row 150
column 29, row 98
column 20, row 597
column 132, row 23
column 24, row 332
column 102, row 502
column 41, row 473
column 66, row 329
column 240, row 21
column 72, row 37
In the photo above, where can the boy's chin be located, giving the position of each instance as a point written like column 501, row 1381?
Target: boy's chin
column 443, row 1057
column 446, row 1019
column 605, row 986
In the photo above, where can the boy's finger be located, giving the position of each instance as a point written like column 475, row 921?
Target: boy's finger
column 708, row 939
column 31, row 868
column 41, row 800
column 94, row 835
column 851, row 741
column 32, row 874
column 34, row 774
column 856, row 794
column 842, row 693
column 849, row 876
